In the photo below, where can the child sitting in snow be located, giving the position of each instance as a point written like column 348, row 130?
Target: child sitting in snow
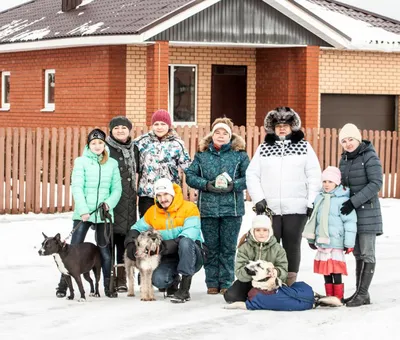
column 258, row 244
column 330, row 232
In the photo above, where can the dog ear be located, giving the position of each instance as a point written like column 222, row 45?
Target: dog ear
column 57, row 237
column 44, row 235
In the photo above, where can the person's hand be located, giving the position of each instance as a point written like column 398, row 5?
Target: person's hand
column 348, row 250
column 312, row 246
column 309, row 212
column 85, row 217
column 169, row 247
column 347, row 207
column 211, row 188
column 228, row 189
column 131, row 250
column 260, row 207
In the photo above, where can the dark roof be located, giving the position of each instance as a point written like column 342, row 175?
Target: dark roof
column 43, row 19
column 374, row 19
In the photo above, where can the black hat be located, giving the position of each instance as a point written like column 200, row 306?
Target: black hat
column 120, row 120
column 96, row 134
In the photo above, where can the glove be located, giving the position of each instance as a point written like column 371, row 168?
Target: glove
column 312, row 246
column 309, row 212
column 211, row 188
column 131, row 251
column 169, row 247
column 228, row 189
column 348, row 250
column 347, row 207
column 260, row 207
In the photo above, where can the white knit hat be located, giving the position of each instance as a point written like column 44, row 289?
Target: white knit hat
column 164, row 185
column 222, row 126
column 350, row 131
column 261, row 221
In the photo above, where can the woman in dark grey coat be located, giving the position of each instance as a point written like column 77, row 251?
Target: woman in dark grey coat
column 362, row 172
column 126, row 154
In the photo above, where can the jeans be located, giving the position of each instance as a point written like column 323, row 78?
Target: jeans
column 189, row 262
column 79, row 236
column 364, row 249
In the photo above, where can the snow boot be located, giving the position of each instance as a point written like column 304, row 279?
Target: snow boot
column 61, row 290
column 362, row 296
column 173, row 288
column 291, row 278
column 359, row 264
column 182, row 295
column 121, row 280
column 338, row 290
column 329, row 289
column 107, row 291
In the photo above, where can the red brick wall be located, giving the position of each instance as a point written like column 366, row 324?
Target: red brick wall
column 288, row 77
column 90, row 86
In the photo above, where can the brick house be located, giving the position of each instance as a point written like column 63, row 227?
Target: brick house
column 80, row 62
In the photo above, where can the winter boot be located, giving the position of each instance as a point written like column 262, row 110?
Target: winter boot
column 173, row 288
column 338, row 290
column 121, row 280
column 359, row 264
column 107, row 291
column 362, row 295
column 183, row 295
column 291, row 278
column 61, row 290
column 329, row 289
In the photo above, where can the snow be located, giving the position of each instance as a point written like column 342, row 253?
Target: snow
column 16, row 26
column 30, row 309
column 363, row 35
column 84, row 3
column 86, row 28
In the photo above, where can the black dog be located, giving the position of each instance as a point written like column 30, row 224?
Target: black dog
column 74, row 260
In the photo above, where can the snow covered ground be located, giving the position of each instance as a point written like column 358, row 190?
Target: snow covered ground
column 29, row 308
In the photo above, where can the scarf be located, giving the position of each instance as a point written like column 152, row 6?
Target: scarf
column 309, row 229
column 128, row 151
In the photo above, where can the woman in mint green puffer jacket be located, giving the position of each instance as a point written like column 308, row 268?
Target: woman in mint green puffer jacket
column 95, row 180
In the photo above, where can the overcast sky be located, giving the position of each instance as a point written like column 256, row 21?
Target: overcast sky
column 390, row 8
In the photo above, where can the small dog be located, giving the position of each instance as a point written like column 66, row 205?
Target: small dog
column 147, row 260
column 74, row 260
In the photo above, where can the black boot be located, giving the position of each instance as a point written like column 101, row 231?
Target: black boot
column 107, row 291
column 121, row 280
column 61, row 290
column 359, row 264
column 173, row 288
column 183, row 295
column 362, row 295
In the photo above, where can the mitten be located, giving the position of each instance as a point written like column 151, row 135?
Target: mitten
column 348, row 250
column 312, row 246
column 309, row 212
column 347, row 207
column 227, row 189
column 211, row 188
column 131, row 251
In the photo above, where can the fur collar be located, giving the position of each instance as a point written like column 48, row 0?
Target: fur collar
column 294, row 137
column 238, row 143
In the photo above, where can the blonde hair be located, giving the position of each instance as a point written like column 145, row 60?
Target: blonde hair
column 223, row 120
column 105, row 157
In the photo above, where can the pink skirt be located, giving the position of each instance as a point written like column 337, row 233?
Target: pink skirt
column 330, row 261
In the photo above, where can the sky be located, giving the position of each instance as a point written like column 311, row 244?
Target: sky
column 390, row 8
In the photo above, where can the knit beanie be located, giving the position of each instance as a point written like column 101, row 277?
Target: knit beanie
column 96, row 134
column 161, row 116
column 222, row 126
column 262, row 221
column 164, row 185
column 350, row 131
column 120, row 120
column 332, row 173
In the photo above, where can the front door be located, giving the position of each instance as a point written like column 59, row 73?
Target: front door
column 228, row 93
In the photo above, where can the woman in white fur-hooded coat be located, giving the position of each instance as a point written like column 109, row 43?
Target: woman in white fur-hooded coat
column 284, row 176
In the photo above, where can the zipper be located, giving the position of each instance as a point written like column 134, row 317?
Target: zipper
column 200, row 191
column 259, row 254
column 280, row 183
column 98, row 192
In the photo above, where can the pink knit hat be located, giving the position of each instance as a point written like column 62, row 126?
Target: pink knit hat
column 161, row 116
column 332, row 173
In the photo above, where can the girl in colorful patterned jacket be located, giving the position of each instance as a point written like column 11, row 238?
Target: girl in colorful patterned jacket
column 161, row 154
column 330, row 232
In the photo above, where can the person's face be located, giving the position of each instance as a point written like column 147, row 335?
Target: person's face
column 261, row 234
column 120, row 133
column 282, row 130
column 96, row 146
column 328, row 186
column 350, row 144
column 164, row 199
column 220, row 137
column 160, row 129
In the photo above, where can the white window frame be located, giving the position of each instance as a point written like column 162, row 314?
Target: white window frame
column 4, row 106
column 171, row 94
column 48, row 107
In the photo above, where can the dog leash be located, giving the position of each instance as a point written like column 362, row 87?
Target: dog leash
column 267, row 211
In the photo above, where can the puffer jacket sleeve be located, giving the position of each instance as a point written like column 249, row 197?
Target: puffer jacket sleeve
column 141, row 225
column 253, row 178
column 350, row 228
column 242, row 258
column 78, row 182
column 116, row 186
column 239, row 184
column 191, row 225
column 281, row 263
column 374, row 173
column 193, row 175
column 313, row 174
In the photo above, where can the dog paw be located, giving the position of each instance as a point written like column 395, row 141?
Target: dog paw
column 131, row 295
column 147, row 299
column 94, row 294
column 81, row 300
column 71, row 297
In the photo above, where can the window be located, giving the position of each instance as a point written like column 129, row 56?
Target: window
column 182, row 93
column 49, row 90
column 5, row 90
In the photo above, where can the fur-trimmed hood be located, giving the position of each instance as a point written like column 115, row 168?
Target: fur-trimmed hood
column 282, row 115
column 237, row 143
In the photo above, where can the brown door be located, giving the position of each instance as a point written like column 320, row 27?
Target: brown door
column 370, row 112
column 228, row 93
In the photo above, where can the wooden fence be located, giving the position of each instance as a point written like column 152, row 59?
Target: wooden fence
column 36, row 164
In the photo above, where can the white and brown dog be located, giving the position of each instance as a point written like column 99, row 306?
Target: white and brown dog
column 147, row 260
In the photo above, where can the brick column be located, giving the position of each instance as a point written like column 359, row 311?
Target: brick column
column 157, row 78
column 312, row 96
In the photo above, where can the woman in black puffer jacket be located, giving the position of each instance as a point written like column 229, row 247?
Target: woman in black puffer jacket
column 126, row 154
column 362, row 172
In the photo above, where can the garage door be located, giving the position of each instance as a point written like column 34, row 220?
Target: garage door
column 368, row 112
